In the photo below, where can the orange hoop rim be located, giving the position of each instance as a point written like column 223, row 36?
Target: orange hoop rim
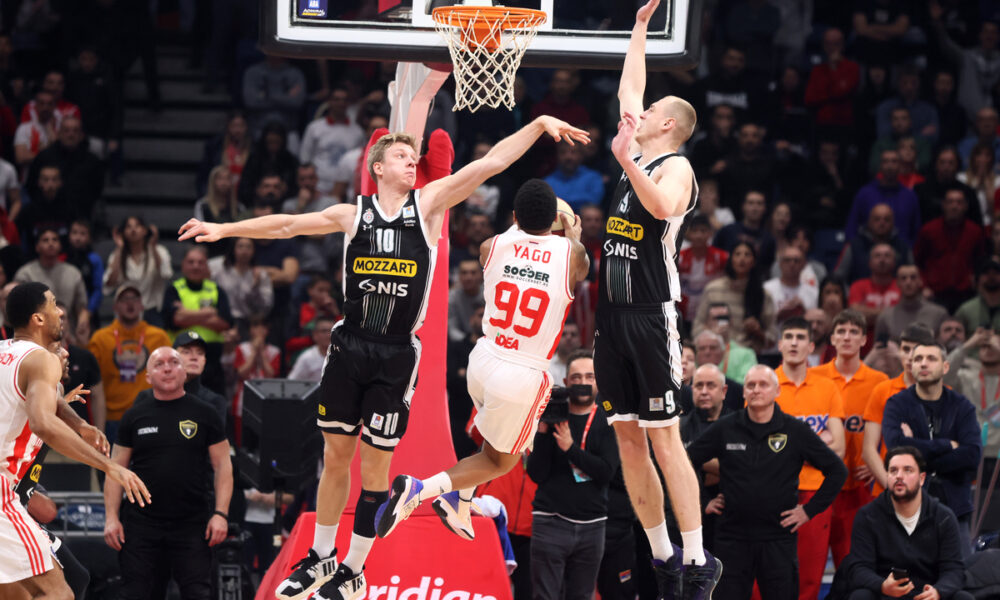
column 510, row 17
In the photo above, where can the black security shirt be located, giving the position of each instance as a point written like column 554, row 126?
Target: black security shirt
column 169, row 441
column 759, row 466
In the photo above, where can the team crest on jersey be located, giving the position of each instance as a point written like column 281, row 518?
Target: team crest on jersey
column 777, row 442
column 188, row 428
column 368, row 216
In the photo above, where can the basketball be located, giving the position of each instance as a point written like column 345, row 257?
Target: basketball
column 562, row 207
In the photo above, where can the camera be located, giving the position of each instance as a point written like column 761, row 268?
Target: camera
column 557, row 410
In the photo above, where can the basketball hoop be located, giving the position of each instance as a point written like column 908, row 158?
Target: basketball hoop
column 486, row 44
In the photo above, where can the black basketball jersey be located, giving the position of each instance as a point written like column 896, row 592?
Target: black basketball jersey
column 388, row 265
column 639, row 255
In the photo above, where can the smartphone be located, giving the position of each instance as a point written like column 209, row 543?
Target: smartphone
column 899, row 574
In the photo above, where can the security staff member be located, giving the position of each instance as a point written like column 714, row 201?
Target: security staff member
column 760, row 451
column 167, row 441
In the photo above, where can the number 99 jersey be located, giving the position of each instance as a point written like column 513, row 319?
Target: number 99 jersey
column 526, row 284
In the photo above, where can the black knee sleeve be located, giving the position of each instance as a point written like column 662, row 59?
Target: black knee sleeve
column 364, row 514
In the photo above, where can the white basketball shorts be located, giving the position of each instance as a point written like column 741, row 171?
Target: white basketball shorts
column 25, row 550
column 509, row 399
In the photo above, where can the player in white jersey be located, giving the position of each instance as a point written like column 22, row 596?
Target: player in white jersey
column 529, row 277
column 32, row 412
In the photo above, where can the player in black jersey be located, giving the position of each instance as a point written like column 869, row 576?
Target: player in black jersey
column 371, row 366
column 637, row 353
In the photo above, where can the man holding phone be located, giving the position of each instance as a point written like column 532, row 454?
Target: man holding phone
column 906, row 542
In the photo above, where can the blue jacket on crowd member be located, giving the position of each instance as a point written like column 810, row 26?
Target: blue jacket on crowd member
column 954, row 420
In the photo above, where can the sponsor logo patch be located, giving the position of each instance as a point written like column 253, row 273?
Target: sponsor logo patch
column 525, row 273
column 617, row 226
column 377, row 421
column 655, row 404
column 736, row 446
column 147, row 430
column 366, row 265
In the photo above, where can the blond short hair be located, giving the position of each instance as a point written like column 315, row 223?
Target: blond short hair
column 377, row 151
column 685, row 115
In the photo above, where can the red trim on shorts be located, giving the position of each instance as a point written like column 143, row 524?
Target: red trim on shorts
column 20, row 444
column 35, row 557
column 522, row 438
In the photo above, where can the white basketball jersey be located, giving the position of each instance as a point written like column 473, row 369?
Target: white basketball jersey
column 18, row 446
column 526, row 284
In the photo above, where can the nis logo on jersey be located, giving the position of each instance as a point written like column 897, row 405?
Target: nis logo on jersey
column 389, row 288
column 365, row 265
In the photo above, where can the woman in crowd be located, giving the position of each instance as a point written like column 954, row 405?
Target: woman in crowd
column 270, row 155
column 230, row 149
column 138, row 257
column 249, row 288
column 219, row 205
column 980, row 175
column 751, row 309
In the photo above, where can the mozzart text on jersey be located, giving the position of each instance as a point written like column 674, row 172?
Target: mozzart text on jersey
column 366, row 265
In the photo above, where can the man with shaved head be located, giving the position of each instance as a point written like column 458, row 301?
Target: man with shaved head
column 170, row 441
column 637, row 353
column 758, row 453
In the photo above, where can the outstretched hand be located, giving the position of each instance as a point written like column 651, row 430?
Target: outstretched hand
column 201, row 232
column 646, row 12
column 623, row 140
column 563, row 131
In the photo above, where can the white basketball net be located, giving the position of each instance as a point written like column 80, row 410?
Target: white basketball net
column 484, row 76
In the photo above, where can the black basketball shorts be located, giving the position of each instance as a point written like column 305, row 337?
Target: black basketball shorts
column 367, row 387
column 637, row 362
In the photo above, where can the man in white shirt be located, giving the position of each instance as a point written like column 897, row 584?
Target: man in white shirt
column 327, row 139
column 309, row 365
column 792, row 298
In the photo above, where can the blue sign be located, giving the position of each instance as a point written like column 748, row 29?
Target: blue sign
column 312, row 9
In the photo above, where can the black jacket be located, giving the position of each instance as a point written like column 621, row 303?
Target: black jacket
column 551, row 468
column 931, row 553
column 759, row 466
column 953, row 468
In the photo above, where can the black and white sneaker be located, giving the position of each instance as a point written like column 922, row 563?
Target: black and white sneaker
column 308, row 575
column 345, row 585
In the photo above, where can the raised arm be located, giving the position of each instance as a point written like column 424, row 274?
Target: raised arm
column 633, row 82
column 669, row 193
column 440, row 195
column 334, row 219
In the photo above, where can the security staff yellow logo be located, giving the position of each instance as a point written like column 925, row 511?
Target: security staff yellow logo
column 36, row 472
column 366, row 265
column 188, row 428
column 777, row 442
column 623, row 228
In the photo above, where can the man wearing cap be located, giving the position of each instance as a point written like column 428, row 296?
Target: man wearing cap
column 981, row 311
column 121, row 350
